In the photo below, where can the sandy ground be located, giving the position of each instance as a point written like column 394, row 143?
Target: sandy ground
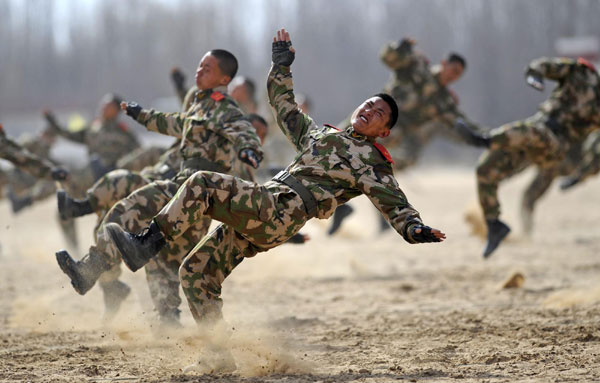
column 355, row 307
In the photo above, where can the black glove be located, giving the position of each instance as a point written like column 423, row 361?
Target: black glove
column 59, row 174
column 424, row 236
column 133, row 110
column 568, row 182
column 249, row 157
column 535, row 81
column 178, row 78
column 282, row 55
column 470, row 136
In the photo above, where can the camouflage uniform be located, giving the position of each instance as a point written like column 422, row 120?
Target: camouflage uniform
column 425, row 105
column 24, row 185
column 212, row 132
column 335, row 166
column 590, row 158
column 24, row 160
column 106, row 141
column 566, row 118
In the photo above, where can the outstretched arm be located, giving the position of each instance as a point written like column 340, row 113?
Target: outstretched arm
column 170, row 124
column 398, row 55
column 294, row 124
column 380, row 186
column 78, row 136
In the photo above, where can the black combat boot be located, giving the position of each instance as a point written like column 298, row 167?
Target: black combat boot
column 18, row 203
column 136, row 249
column 72, row 208
column 83, row 273
column 115, row 292
column 339, row 215
column 497, row 231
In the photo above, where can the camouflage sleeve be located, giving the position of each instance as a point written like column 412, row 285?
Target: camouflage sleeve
column 398, row 55
column 243, row 135
column 551, row 68
column 76, row 136
column 449, row 119
column 380, row 186
column 169, row 124
column 24, row 160
column 245, row 172
column 294, row 124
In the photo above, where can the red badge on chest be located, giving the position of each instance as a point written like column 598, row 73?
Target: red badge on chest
column 217, row 96
column 384, row 152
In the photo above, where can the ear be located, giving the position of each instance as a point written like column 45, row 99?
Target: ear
column 384, row 133
column 225, row 80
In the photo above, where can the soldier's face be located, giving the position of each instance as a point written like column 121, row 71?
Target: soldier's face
column 110, row 111
column 451, row 71
column 209, row 75
column 371, row 118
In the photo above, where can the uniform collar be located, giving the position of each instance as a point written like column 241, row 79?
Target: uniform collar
column 208, row 92
column 360, row 137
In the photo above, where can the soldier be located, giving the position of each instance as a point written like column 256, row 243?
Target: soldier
column 331, row 168
column 243, row 91
column 106, row 139
column 427, row 106
column 569, row 115
column 212, row 133
column 28, row 162
column 590, row 162
column 24, row 189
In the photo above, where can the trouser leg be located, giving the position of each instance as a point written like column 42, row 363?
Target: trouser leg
column 206, row 267
column 112, row 187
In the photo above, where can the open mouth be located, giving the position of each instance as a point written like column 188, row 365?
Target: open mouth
column 362, row 117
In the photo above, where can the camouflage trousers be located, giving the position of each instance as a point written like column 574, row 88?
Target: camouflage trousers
column 514, row 147
column 590, row 161
column 134, row 213
column 544, row 177
column 112, row 187
column 255, row 218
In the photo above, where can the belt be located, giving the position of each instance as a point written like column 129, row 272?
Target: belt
column 199, row 163
column 310, row 202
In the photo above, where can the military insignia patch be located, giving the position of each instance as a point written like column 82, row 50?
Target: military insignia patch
column 384, row 152
column 217, row 96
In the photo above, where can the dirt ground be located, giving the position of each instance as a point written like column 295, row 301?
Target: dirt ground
column 357, row 307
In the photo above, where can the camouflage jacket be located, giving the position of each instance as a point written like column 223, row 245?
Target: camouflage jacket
column 337, row 166
column 141, row 158
column 23, row 159
column 417, row 90
column 213, row 128
column 574, row 104
column 108, row 139
column 36, row 145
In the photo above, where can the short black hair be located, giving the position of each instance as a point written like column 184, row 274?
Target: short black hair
column 111, row 98
column 253, row 117
column 393, row 107
column 456, row 58
column 227, row 61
